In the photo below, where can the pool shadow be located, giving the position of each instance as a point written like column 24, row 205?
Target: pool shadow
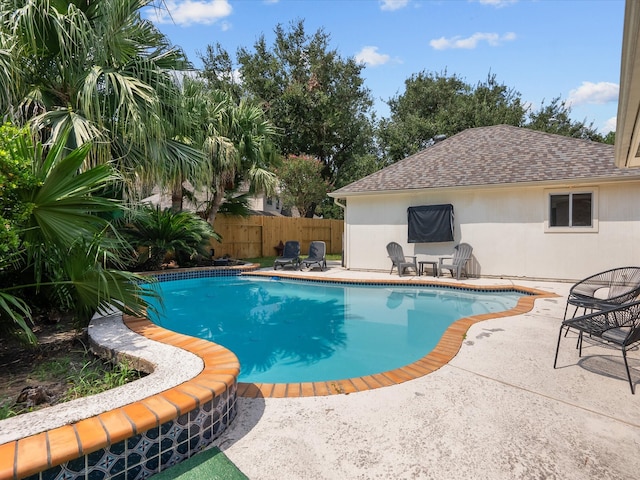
column 268, row 335
column 249, row 413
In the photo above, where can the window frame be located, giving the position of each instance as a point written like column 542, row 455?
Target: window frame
column 593, row 228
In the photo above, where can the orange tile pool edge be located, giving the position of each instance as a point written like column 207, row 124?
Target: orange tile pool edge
column 37, row 453
column 444, row 351
column 30, row 455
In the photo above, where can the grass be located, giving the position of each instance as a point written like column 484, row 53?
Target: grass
column 79, row 373
column 268, row 261
column 7, row 410
column 56, row 368
column 95, row 378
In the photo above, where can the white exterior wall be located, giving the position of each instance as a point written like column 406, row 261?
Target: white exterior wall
column 505, row 227
column 260, row 203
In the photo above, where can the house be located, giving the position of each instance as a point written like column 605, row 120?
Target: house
column 627, row 150
column 532, row 204
column 257, row 203
column 261, row 204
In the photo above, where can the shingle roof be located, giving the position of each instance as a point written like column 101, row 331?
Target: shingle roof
column 496, row 155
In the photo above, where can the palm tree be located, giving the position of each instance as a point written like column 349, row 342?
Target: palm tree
column 97, row 69
column 234, row 140
column 66, row 248
column 252, row 156
column 159, row 232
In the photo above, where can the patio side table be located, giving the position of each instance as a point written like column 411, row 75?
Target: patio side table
column 434, row 267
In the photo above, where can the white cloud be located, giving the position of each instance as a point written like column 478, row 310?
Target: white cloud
column 589, row 92
column 371, row 57
column 497, row 3
column 493, row 39
column 609, row 125
column 391, row 5
column 187, row 12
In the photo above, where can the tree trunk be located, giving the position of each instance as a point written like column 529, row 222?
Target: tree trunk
column 218, row 198
column 310, row 211
column 176, row 197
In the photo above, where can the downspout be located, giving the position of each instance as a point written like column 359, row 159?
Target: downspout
column 343, row 206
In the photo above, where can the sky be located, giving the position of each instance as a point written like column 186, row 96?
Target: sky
column 543, row 49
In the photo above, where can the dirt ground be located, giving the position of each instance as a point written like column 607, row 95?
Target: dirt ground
column 37, row 377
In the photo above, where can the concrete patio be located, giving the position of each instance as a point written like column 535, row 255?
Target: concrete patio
column 498, row 410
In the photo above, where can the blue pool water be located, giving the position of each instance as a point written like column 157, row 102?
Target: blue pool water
column 287, row 331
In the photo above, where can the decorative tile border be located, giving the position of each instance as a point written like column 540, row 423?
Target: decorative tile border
column 144, row 437
column 202, row 272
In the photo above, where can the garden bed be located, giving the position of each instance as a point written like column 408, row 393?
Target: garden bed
column 58, row 369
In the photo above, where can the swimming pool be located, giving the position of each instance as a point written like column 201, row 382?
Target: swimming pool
column 285, row 331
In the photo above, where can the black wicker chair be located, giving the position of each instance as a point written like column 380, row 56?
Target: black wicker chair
column 605, row 290
column 618, row 327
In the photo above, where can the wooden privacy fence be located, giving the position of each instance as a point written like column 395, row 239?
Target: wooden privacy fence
column 257, row 236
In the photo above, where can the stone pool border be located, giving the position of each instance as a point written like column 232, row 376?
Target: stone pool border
column 145, row 437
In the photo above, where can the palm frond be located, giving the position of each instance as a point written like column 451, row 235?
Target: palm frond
column 18, row 311
column 262, row 180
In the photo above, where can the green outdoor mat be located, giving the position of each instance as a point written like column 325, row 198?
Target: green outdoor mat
column 211, row 464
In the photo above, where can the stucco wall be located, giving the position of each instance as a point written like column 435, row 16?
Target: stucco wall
column 506, row 228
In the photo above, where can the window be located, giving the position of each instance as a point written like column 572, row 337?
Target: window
column 572, row 211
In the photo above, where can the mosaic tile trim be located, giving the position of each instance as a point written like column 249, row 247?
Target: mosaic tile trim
column 203, row 272
column 401, row 283
column 153, row 451
column 141, row 438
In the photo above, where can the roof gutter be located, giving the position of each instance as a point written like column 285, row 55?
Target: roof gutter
column 336, row 201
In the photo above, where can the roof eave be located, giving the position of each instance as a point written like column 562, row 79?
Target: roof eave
column 547, row 183
column 628, row 119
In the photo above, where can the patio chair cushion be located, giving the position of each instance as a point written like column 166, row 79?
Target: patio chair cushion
column 605, row 290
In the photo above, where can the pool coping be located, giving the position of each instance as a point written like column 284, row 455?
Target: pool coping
column 212, row 382
column 446, row 348
column 36, row 453
column 31, row 456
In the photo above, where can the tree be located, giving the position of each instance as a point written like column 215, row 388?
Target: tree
column 555, row 118
column 15, row 176
column 64, row 253
column 96, row 69
column 359, row 167
column 301, row 183
column 220, row 72
column 160, row 232
column 314, row 96
column 240, row 151
column 610, row 138
column 438, row 104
